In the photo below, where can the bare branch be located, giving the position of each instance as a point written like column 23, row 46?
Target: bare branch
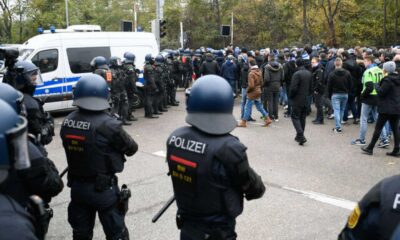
column 336, row 8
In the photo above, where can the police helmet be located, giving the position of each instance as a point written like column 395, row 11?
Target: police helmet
column 28, row 75
column 197, row 53
column 91, row 93
column 13, row 97
column 176, row 53
column 159, row 58
column 129, row 57
column 210, row 105
column 13, row 141
column 148, row 58
column 115, row 62
column 99, row 62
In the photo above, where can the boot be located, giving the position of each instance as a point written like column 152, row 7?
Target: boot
column 394, row 153
column 367, row 150
column 268, row 121
column 242, row 123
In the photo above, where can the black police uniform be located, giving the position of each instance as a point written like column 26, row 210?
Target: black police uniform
column 160, row 81
column 210, row 176
column 105, row 73
column 171, row 86
column 15, row 222
column 187, row 71
column 119, row 94
column 131, row 78
column 177, row 72
column 377, row 215
column 150, row 90
column 95, row 145
column 40, row 123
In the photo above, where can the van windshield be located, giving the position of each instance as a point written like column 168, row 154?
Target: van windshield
column 24, row 53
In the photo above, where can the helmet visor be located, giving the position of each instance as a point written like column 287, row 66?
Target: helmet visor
column 34, row 77
column 18, row 138
column 119, row 62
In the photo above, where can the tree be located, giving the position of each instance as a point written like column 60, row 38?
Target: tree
column 306, row 33
column 330, row 11
column 6, row 21
column 384, row 22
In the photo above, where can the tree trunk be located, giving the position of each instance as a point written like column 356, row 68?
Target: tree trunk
column 384, row 23
column 396, row 31
column 333, row 32
column 306, row 34
column 330, row 17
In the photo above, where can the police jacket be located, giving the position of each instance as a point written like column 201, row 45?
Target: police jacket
column 105, row 73
column 178, row 68
column 210, row 175
column 40, row 123
column 149, row 77
column 377, row 215
column 15, row 222
column 119, row 82
column 41, row 179
column 159, row 77
column 131, row 77
column 95, row 143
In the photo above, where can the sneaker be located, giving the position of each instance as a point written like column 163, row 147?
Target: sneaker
column 251, row 119
column 358, row 142
column 337, row 130
column 356, row 121
column 286, row 107
column 276, row 119
column 331, row 116
column 344, row 122
column 350, row 116
column 366, row 150
column 383, row 144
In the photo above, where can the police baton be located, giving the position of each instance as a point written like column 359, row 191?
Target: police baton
column 163, row 209
column 64, row 172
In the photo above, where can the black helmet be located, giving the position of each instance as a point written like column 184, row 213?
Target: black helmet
column 210, row 105
column 13, row 97
column 99, row 62
column 148, row 58
column 115, row 62
column 129, row 57
column 13, row 141
column 28, row 76
column 159, row 59
column 91, row 93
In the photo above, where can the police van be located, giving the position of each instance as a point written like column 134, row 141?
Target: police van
column 63, row 56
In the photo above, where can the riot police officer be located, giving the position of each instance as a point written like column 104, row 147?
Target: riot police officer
column 40, row 123
column 171, row 87
column 118, row 90
column 187, row 68
column 100, row 67
column 131, row 74
column 377, row 215
column 15, row 221
column 208, row 166
column 42, row 178
column 95, row 145
column 177, row 70
column 150, row 88
column 161, row 82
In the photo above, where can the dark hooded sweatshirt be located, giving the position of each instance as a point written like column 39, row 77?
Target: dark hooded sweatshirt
column 273, row 76
column 339, row 81
column 389, row 94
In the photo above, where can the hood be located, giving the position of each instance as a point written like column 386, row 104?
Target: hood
column 395, row 78
column 340, row 72
column 229, row 62
column 274, row 66
column 209, row 59
column 256, row 71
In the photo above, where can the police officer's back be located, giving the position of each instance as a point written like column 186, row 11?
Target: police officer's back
column 100, row 67
column 208, row 166
column 95, row 145
column 377, row 215
column 15, row 221
column 131, row 78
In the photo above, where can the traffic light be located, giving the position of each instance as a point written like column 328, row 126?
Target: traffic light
column 163, row 28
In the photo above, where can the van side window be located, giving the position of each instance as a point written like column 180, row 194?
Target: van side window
column 46, row 60
column 80, row 58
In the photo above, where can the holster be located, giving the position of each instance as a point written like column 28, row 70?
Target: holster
column 124, row 195
column 37, row 210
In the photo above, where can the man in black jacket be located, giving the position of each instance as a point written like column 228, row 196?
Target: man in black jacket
column 300, row 89
column 209, row 66
column 319, row 89
column 339, row 86
column 273, row 79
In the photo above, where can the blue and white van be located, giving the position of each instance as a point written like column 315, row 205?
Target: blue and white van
column 64, row 56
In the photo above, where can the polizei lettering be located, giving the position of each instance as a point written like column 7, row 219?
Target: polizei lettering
column 76, row 124
column 187, row 144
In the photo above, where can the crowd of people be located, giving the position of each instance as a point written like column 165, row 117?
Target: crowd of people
column 358, row 83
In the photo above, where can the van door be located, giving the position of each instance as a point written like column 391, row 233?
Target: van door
column 51, row 67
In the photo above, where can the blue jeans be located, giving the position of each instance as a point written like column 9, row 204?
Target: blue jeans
column 366, row 110
column 243, row 103
column 339, row 101
column 249, row 105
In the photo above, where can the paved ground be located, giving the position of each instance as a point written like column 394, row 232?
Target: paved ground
column 310, row 189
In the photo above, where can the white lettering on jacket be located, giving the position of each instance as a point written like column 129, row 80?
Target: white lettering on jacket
column 188, row 145
column 76, row 124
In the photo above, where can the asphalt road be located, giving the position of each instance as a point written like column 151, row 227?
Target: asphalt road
column 310, row 189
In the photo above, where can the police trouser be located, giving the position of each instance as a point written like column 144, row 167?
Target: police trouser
column 148, row 104
column 178, row 80
column 156, row 101
column 86, row 202
column 161, row 98
column 120, row 105
column 131, row 96
column 209, row 231
column 171, row 93
column 187, row 79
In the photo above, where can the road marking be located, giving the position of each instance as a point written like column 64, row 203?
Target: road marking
column 160, row 154
column 320, row 197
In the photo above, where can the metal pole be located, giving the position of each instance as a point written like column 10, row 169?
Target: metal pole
column 181, row 35
column 66, row 12
column 232, row 29
column 135, row 16
column 157, row 23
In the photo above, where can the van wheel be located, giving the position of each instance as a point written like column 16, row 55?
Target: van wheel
column 138, row 99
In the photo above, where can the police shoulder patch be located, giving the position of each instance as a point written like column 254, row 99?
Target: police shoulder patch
column 354, row 217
